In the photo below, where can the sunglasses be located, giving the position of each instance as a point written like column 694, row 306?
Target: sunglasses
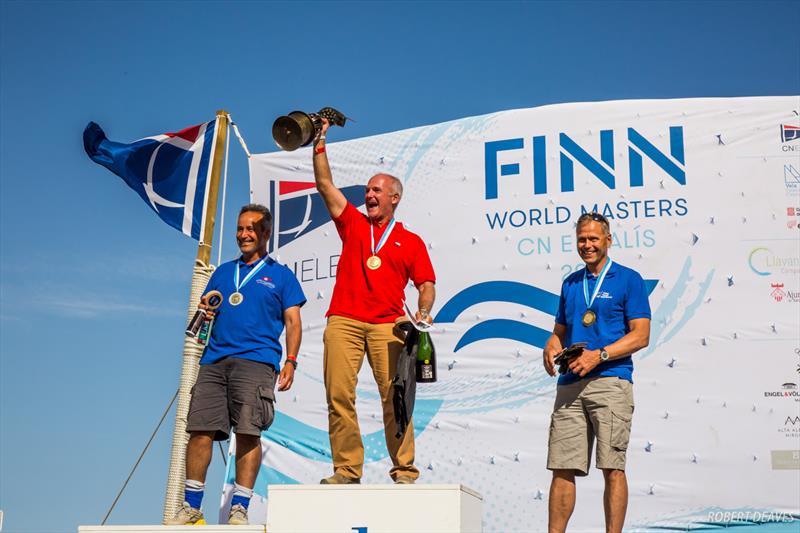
column 597, row 217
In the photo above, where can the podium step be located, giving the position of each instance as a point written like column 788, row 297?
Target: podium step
column 210, row 528
column 373, row 509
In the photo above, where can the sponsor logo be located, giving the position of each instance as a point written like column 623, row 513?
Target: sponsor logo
column 788, row 390
column 785, row 460
column 794, row 217
column 779, row 294
column 797, row 353
column 790, row 133
column 791, row 180
column 297, row 208
column 762, row 261
column 791, row 427
column 504, row 158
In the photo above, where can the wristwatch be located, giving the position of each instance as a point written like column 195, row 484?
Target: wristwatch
column 603, row 355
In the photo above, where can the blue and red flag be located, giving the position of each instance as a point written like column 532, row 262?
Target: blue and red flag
column 789, row 133
column 171, row 172
column 297, row 208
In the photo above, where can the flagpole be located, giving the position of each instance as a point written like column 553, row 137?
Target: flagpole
column 192, row 351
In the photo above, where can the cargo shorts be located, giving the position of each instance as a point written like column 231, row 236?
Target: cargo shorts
column 600, row 408
column 232, row 393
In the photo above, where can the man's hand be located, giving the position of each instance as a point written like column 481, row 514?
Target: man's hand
column 286, row 378
column 585, row 363
column 548, row 358
column 553, row 347
column 321, row 135
column 420, row 316
column 204, row 306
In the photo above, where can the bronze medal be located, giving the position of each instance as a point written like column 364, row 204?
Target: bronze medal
column 588, row 318
column 374, row 262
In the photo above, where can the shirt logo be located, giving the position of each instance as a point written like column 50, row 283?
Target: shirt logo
column 604, row 295
column 266, row 281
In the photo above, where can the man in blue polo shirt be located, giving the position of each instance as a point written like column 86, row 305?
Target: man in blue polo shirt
column 604, row 305
column 236, row 382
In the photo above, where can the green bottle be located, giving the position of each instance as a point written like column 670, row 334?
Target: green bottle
column 426, row 362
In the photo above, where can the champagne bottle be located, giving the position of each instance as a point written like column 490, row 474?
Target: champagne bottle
column 426, row 363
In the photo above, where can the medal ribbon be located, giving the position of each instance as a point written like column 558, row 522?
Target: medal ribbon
column 600, row 279
column 249, row 276
column 385, row 236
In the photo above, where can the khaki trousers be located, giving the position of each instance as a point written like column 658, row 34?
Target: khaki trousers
column 346, row 341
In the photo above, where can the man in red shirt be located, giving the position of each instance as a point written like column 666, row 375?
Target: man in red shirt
column 378, row 258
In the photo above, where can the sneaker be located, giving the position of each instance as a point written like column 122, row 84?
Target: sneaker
column 404, row 480
column 338, row 479
column 238, row 515
column 186, row 515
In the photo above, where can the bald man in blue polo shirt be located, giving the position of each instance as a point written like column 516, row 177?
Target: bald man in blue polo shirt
column 605, row 306
column 236, row 382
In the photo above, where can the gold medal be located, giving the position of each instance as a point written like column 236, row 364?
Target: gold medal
column 374, row 262
column 236, row 298
column 588, row 318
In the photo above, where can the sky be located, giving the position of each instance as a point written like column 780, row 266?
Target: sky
column 94, row 287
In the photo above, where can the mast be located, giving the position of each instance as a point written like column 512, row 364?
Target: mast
column 192, row 351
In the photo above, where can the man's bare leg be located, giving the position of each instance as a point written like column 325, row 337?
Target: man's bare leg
column 198, row 455
column 562, row 500
column 248, row 459
column 615, row 499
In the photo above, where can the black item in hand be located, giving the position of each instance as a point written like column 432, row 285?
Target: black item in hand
column 566, row 356
column 335, row 117
column 404, row 384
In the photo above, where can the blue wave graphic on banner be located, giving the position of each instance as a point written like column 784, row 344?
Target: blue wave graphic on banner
column 313, row 443
column 498, row 291
column 500, row 328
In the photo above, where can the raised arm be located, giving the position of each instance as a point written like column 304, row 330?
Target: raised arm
column 334, row 200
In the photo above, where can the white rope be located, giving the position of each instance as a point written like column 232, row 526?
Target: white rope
column 239, row 135
column 192, row 352
column 224, row 191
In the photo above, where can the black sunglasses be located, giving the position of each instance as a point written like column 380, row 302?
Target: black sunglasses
column 597, row 217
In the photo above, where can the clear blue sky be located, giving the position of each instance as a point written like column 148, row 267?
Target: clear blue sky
column 93, row 286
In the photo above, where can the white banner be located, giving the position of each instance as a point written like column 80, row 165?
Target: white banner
column 703, row 199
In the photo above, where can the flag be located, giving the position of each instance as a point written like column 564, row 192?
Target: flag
column 297, row 208
column 171, row 172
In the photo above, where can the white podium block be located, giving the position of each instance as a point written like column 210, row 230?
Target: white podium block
column 373, row 509
column 211, row 528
